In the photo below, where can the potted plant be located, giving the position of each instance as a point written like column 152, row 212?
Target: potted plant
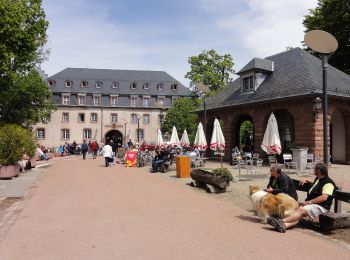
column 14, row 142
column 219, row 177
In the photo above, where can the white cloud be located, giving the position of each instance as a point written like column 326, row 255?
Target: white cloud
column 85, row 35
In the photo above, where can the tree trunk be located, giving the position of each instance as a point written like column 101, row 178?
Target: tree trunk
column 206, row 177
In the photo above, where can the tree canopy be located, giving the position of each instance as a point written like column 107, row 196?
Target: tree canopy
column 333, row 16
column 211, row 69
column 181, row 116
column 24, row 97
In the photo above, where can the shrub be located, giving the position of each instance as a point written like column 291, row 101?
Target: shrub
column 223, row 172
column 14, row 141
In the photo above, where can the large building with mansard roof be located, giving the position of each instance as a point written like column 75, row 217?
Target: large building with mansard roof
column 104, row 104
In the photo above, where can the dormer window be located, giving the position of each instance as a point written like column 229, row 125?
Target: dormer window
column 98, row 84
column 84, row 84
column 68, row 83
column 248, row 84
column 160, row 86
column 146, row 86
column 133, row 85
column 115, row 84
column 52, row 83
column 174, row 87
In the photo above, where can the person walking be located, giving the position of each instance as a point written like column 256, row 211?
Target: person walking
column 84, row 149
column 94, row 149
column 107, row 153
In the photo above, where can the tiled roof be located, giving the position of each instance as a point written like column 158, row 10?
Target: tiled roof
column 258, row 65
column 296, row 73
column 123, row 77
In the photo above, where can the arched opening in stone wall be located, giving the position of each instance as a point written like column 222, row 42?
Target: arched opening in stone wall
column 116, row 136
column 244, row 138
column 337, row 138
column 286, row 129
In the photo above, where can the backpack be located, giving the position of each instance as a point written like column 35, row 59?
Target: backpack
column 84, row 147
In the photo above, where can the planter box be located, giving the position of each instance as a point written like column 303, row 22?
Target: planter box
column 9, row 171
column 206, row 177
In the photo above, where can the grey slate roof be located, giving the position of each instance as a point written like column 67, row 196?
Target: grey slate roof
column 296, row 73
column 123, row 77
column 257, row 64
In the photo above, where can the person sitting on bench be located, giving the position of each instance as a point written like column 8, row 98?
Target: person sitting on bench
column 319, row 200
column 158, row 159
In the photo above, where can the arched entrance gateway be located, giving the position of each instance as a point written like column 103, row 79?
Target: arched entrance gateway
column 337, row 138
column 244, row 137
column 114, row 135
column 286, row 129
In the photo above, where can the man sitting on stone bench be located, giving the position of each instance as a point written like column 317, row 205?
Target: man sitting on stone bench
column 319, row 200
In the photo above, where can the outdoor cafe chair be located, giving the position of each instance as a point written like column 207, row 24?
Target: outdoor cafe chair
column 288, row 161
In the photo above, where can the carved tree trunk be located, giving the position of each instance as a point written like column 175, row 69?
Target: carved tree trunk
column 208, row 178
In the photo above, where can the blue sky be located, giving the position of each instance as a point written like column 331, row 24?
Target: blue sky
column 162, row 35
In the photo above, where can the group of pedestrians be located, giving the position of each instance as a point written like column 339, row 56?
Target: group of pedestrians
column 319, row 197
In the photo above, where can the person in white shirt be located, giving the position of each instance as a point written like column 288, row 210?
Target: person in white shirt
column 107, row 153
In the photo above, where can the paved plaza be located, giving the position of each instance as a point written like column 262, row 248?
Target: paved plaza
column 76, row 209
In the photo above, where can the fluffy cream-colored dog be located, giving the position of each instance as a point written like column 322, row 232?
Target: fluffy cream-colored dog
column 266, row 204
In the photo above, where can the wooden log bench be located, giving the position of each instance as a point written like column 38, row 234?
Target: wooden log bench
column 332, row 219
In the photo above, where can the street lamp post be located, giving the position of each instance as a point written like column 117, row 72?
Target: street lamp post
column 204, row 90
column 323, row 43
column 138, row 129
column 125, row 141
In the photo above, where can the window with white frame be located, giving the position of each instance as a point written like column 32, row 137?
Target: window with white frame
column 146, row 86
column 84, row 84
column 52, row 83
column 93, row 118
column 114, row 101
column 65, row 100
column 139, row 134
column 97, row 100
column 40, row 133
column 81, row 117
column 145, row 118
column 65, row 134
column 133, row 118
column 248, row 83
column 133, row 101
column 146, row 101
column 81, row 99
column 87, row 134
column 161, row 101
column 160, row 86
column 114, row 118
column 174, row 87
column 115, row 84
column 65, row 117
column 133, row 85
column 68, row 83
column 98, row 84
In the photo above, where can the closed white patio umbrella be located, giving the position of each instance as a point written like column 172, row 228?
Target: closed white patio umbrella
column 271, row 143
column 160, row 141
column 185, row 141
column 200, row 142
column 174, row 140
column 217, row 142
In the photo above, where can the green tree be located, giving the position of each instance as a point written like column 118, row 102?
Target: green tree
column 182, row 117
column 24, row 98
column 22, row 35
column 211, row 69
column 246, row 126
column 333, row 16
